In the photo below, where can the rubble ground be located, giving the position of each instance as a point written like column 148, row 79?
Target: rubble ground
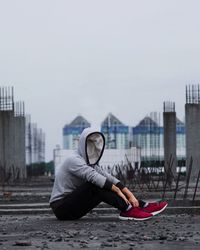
column 18, row 232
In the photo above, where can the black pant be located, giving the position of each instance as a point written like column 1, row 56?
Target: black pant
column 84, row 199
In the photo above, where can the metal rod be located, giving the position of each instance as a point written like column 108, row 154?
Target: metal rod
column 188, row 178
column 3, row 97
column 12, row 98
column 151, row 179
column 186, row 94
column 177, row 182
column 170, row 164
column 197, row 182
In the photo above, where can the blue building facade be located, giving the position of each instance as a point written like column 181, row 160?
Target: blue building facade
column 115, row 132
column 72, row 131
column 180, row 140
column 149, row 136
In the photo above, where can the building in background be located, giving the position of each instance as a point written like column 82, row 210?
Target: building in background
column 115, row 132
column 35, row 143
column 72, row 131
column 110, row 158
column 149, row 136
column 12, row 137
column 147, row 139
column 22, row 144
column 180, row 140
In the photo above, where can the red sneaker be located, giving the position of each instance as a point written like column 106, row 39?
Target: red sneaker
column 155, row 207
column 135, row 213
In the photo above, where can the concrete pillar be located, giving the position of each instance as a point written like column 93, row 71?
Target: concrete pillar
column 6, row 133
column 192, row 116
column 20, row 149
column 7, row 142
column 192, row 120
column 28, row 141
column 2, row 148
column 12, row 137
column 169, row 120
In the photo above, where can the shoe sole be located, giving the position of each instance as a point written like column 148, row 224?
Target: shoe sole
column 132, row 218
column 157, row 212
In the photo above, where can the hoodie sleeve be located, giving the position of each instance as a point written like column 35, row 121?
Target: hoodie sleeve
column 109, row 177
column 80, row 169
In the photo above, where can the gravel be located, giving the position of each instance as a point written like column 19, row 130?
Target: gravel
column 100, row 232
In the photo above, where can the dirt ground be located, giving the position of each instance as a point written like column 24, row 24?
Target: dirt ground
column 99, row 232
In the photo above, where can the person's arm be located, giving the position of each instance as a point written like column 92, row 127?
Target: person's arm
column 128, row 194
column 78, row 167
column 131, row 198
column 108, row 176
column 125, row 194
column 117, row 190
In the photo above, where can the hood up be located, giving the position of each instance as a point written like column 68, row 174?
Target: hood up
column 91, row 146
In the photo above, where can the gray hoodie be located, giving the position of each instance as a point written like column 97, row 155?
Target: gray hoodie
column 83, row 166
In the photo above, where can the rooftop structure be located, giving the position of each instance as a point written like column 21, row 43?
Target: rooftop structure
column 72, row 131
column 115, row 132
column 149, row 136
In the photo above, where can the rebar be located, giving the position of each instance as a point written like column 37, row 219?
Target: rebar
column 188, row 178
column 177, row 182
column 169, row 106
column 193, row 94
column 6, row 98
column 19, row 109
column 197, row 182
column 169, row 174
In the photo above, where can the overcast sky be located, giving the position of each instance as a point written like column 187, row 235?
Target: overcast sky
column 92, row 57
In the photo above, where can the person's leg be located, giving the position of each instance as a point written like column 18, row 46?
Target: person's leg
column 111, row 198
column 114, row 200
column 84, row 199
column 77, row 204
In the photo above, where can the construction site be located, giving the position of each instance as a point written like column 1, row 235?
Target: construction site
column 22, row 144
column 24, row 206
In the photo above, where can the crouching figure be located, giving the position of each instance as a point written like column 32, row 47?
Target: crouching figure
column 81, row 184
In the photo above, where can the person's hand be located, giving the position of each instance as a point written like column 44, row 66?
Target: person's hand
column 133, row 201
column 118, row 192
column 123, row 197
column 130, row 196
